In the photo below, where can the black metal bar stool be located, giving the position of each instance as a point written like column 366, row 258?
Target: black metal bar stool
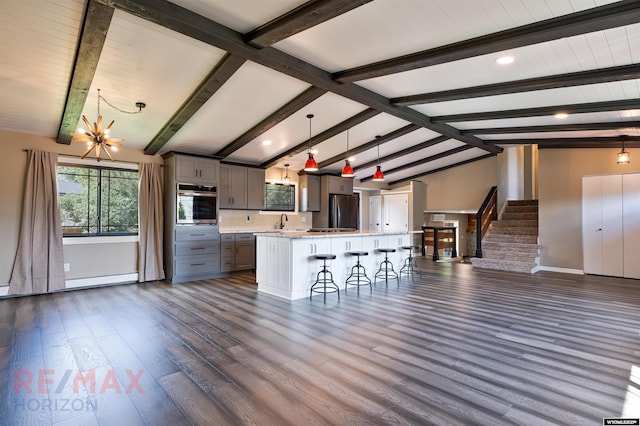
column 410, row 266
column 358, row 276
column 386, row 267
column 325, row 284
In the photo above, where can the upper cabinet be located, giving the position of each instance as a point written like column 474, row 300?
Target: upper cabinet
column 241, row 187
column 339, row 185
column 309, row 193
column 196, row 170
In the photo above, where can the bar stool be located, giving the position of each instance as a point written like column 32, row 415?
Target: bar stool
column 410, row 266
column 325, row 284
column 386, row 267
column 358, row 274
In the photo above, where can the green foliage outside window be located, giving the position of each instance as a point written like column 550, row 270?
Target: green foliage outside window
column 98, row 201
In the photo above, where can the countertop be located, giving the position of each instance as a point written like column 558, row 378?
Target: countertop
column 292, row 234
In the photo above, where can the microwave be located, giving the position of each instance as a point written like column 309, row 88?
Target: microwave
column 196, row 204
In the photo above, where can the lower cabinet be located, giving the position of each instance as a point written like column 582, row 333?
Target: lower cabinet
column 196, row 253
column 237, row 252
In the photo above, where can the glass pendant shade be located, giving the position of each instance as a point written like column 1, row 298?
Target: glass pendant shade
column 347, row 170
column 378, row 176
column 311, row 165
column 623, row 157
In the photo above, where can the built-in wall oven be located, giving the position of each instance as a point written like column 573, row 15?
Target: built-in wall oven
column 197, row 204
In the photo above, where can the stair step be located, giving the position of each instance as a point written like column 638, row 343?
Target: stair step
column 509, row 255
column 521, row 209
column 527, row 239
column 519, row 216
column 508, row 246
column 512, row 230
column 503, row 265
column 526, row 223
column 522, row 203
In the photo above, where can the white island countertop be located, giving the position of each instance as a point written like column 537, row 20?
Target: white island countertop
column 314, row 234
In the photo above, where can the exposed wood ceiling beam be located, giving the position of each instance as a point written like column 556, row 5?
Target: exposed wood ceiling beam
column 402, row 152
column 193, row 25
column 218, row 76
column 422, row 161
column 554, row 128
column 620, row 105
column 329, row 133
column 299, row 19
column 371, row 144
column 595, row 142
column 94, row 32
column 602, row 75
column 595, row 19
column 291, row 107
column 441, row 169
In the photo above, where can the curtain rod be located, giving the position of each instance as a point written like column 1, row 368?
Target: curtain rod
column 79, row 156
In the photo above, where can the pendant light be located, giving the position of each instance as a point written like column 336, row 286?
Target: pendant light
column 378, row 176
column 310, row 165
column 623, row 156
column 347, row 170
column 286, row 179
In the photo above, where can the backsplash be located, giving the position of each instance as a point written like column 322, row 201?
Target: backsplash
column 250, row 219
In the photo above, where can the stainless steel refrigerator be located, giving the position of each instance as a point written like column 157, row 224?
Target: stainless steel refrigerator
column 344, row 211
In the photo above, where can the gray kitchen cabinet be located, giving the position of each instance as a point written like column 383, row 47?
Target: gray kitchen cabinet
column 339, row 185
column 237, row 252
column 198, row 170
column 309, row 193
column 255, row 189
column 241, row 187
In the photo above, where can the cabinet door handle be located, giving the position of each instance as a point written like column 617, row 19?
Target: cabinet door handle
column 197, row 235
column 196, row 248
column 196, row 264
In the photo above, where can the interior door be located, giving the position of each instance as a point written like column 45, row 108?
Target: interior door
column 375, row 213
column 396, row 213
column 631, row 221
column 592, row 225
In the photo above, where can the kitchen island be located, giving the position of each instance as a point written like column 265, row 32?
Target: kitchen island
column 285, row 264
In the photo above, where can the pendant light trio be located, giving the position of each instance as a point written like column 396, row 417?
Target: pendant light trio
column 347, row 171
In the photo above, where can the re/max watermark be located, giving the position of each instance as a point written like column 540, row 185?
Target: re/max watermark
column 50, row 381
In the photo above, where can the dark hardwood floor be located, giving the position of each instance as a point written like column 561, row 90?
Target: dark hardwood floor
column 457, row 347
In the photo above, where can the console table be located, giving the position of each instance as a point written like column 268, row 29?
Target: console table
column 439, row 237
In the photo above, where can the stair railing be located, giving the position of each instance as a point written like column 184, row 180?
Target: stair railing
column 487, row 212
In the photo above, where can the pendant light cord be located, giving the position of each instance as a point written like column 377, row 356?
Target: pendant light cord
column 140, row 105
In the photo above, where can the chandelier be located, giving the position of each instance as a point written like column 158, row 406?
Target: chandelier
column 98, row 136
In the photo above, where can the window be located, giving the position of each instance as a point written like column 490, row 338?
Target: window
column 98, row 201
column 279, row 197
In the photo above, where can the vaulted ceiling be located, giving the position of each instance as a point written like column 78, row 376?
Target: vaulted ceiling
column 413, row 82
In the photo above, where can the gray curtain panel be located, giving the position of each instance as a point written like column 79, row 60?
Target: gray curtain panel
column 151, row 222
column 38, row 266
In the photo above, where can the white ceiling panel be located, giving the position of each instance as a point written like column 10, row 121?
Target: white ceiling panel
column 628, row 89
column 593, row 117
column 131, row 51
column 249, row 96
column 36, row 59
column 240, row 15
column 469, row 154
column 328, row 110
column 629, row 131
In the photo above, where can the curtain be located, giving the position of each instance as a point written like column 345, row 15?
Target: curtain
column 151, row 222
column 38, row 266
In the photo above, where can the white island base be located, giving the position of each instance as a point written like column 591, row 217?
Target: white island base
column 285, row 265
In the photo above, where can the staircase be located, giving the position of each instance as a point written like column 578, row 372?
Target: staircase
column 511, row 243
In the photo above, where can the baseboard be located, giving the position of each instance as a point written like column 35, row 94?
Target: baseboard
column 4, row 290
column 562, row 270
column 108, row 279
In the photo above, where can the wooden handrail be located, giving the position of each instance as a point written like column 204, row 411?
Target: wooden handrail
column 487, row 212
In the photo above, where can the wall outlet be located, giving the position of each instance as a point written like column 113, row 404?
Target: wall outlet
column 248, row 219
column 303, row 219
column 67, row 267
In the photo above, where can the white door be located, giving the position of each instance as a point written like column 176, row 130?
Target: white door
column 375, row 213
column 631, row 222
column 602, row 225
column 396, row 213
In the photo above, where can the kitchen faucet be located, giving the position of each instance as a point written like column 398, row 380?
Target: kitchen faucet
column 286, row 219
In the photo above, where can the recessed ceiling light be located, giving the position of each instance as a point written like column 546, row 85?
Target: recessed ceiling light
column 267, row 142
column 505, row 60
column 561, row 115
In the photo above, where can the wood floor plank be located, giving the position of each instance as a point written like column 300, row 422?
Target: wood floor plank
column 457, row 346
